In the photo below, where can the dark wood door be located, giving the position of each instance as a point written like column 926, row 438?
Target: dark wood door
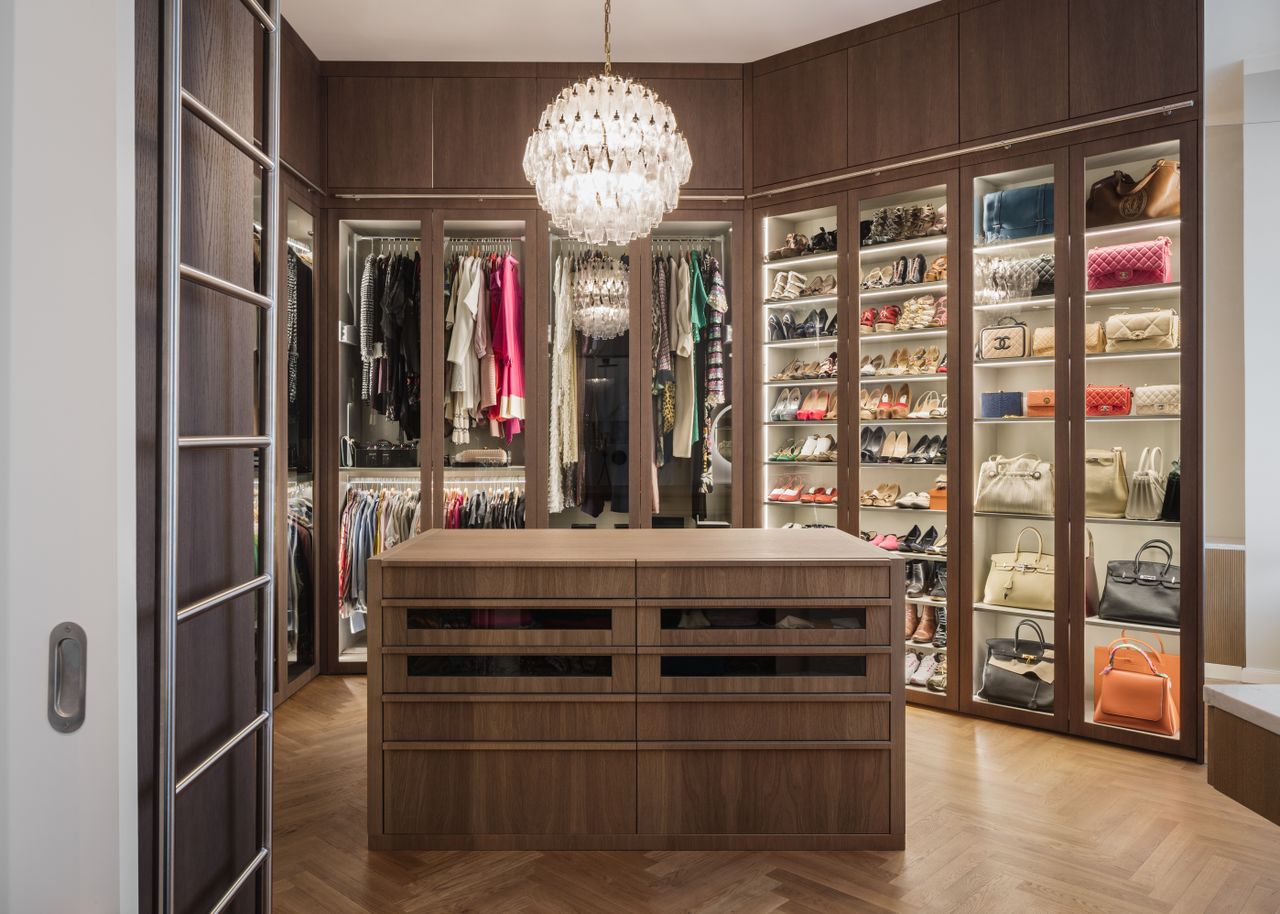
column 1125, row 54
column 903, row 93
column 480, row 127
column 1013, row 66
column 800, row 117
column 379, row 133
column 301, row 106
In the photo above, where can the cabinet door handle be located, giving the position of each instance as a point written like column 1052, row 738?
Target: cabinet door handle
column 68, row 649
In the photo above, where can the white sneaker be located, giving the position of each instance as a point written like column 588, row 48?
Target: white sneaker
column 920, row 677
column 913, row 664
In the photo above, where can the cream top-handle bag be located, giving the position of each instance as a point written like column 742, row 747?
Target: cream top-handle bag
column 1146, row 492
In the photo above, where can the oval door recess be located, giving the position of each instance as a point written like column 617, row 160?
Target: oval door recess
column 68, row 647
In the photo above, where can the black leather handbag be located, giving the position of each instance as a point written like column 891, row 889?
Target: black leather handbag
column 1143, row 593
column 1019, row 671
column 1172, row 508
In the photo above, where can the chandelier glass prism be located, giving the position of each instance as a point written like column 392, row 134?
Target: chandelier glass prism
column 607, row 159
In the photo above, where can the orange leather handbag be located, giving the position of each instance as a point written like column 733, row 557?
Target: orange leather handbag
column 1169, row 664
column 1137, row 699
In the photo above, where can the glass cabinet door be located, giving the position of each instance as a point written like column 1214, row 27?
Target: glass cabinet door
column 799, row 369
column 380, row 406
column 1018, row 623
column 1135, row 335
column 691, row 373
column 589, row 346
column 904, row 387
column 481, row 352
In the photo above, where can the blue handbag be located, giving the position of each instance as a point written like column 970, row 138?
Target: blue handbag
column 1001, row 403
column 1018, row 213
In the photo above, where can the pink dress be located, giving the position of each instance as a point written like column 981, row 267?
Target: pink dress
column 508, row 347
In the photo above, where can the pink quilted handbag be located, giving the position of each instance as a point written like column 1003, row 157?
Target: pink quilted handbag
column 1139, row 264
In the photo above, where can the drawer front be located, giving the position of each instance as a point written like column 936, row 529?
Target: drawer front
column 506, row 718
column 499, row 669
column 763, row 622
column 764, row 790
column 739, row 670
column 539, row 623
column 786, row 718
column 531, row 790
column 781, row 581
column 502, row 580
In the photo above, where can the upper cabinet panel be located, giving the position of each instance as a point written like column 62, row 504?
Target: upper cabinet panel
column 903, row 93
column 709, row 113
column 301, row 106
column 1013, row 66
column 1129, row 53
column 481, row 125
column 379, row 132
column 800, row 120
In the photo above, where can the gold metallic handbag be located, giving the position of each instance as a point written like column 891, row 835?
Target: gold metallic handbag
column 1106, row 482
column 1021, row 578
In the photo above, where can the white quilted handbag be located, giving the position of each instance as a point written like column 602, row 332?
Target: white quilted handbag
column 1141, row 330
column 1146, row 492
column 1158, row 400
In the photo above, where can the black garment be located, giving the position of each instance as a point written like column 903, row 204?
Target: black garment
column 604, row 426
column 300, row 415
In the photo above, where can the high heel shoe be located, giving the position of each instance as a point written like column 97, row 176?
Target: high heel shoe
column 896, row 366
column 866, row 402
column 925, row 542
column 921, row 448
column 871, row 368
column 890, row 445
column 902, row 404
column 788, row 326
column 830, row 324
column 871, row 452
column 940, row 458
column 793, row 406
column 775, row 414
column 810, row 401
column 935, row 447
column 900, row 448
column 924, row 405
column 884, row 408
column 789, row 372
column 775, row 328
column 907, row 543
column 819, row 410
column 865, row 438
column 940, row 546
column 832, row 413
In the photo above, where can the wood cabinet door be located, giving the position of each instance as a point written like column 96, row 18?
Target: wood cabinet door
column 1125, row 54
column 903, row 93
column 709, row 114
column 481, row 124
column 1013, row 66
column 800, row 117
column 379, row 133
column 301, row 106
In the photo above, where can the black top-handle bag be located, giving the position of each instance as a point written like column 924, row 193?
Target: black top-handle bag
column 1019, row 671
column 1143, row 593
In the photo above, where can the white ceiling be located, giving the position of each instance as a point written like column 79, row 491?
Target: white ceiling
column 689, row 31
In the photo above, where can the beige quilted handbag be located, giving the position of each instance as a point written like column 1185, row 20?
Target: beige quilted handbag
column 1095, row 338
column 1005, row 339
column 1106, row 483
column 1015, row 485
column 1158, row 400
column 1140, row 330
column 1146, row 497
column 1021, row 578
column 1042, row 340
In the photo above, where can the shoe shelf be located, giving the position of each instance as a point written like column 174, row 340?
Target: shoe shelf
column 1014, row 363
column 1014, row 420
column 794, row 263
column 904, row 510
column 982, row 250
column 804, row 342
column 890, row 465
column 924, row 601
column 881, row 380
column 800, row 504
column 1013, row 611
column 912, row 423
column 907, row 290
column 1132, row 626
column 804, row 382
column 922, row 244
column 801, row 300
column 892, row 336
column 1034, row 303
column 797, row 423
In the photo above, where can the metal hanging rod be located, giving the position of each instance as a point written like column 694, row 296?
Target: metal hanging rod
column 384, row 480
column 715, row 198
column 468, row 239
column 396, row 238
column 455, row 485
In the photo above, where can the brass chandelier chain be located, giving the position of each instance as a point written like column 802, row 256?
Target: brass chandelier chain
column 608, row 50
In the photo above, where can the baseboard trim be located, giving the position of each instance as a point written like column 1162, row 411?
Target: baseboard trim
column 1259, row 675
column 1221, row 672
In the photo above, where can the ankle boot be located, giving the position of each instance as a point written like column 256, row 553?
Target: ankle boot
column 912, row 621
column 939, row 589
column 928, row 627
column 915, row 579
column 940, row 636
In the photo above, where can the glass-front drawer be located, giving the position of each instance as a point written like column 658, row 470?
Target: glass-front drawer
column 764, row 622
column 745, row 670
column 506, row 669
column 513, row 622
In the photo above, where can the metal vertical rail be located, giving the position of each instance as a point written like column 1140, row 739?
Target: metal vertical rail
column 173, row 101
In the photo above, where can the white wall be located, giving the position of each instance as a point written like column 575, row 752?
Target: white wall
column 68, row 832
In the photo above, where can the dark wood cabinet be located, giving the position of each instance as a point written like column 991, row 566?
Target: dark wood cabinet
column 800, row 120
column 379, row 133
column 1013, row 66
column 301, row 106
column 709, row 114
column 903, row 93
column 480, row 128
column 1132, row 53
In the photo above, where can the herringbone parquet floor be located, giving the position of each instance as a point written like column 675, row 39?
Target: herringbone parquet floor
column 999, row 819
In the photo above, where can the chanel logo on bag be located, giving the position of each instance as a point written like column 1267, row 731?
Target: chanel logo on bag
column 1124, row 274
column 1003, row 342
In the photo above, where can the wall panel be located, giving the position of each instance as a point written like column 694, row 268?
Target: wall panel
column 800, row 120
column 379, row 133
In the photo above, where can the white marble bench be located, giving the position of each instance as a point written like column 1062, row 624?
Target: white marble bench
column 1244, row 744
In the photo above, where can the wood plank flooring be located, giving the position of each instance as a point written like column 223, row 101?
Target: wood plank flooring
column 999, row 819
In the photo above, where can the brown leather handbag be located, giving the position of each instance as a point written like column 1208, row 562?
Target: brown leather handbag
column 1118, row 198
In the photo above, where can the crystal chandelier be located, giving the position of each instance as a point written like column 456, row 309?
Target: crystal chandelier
column 606, row 158
column 601, row 297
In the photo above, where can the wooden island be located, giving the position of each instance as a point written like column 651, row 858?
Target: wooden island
column 636, row 689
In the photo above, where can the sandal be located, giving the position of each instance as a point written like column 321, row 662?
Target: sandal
column 902, row 404
column 831, row 405
column 925, row 406
column 865, row 412
column 939, row 313
column 887, row 318
column 884, row 407
column 788, row 373
column 867, row 323
column 872, row 368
